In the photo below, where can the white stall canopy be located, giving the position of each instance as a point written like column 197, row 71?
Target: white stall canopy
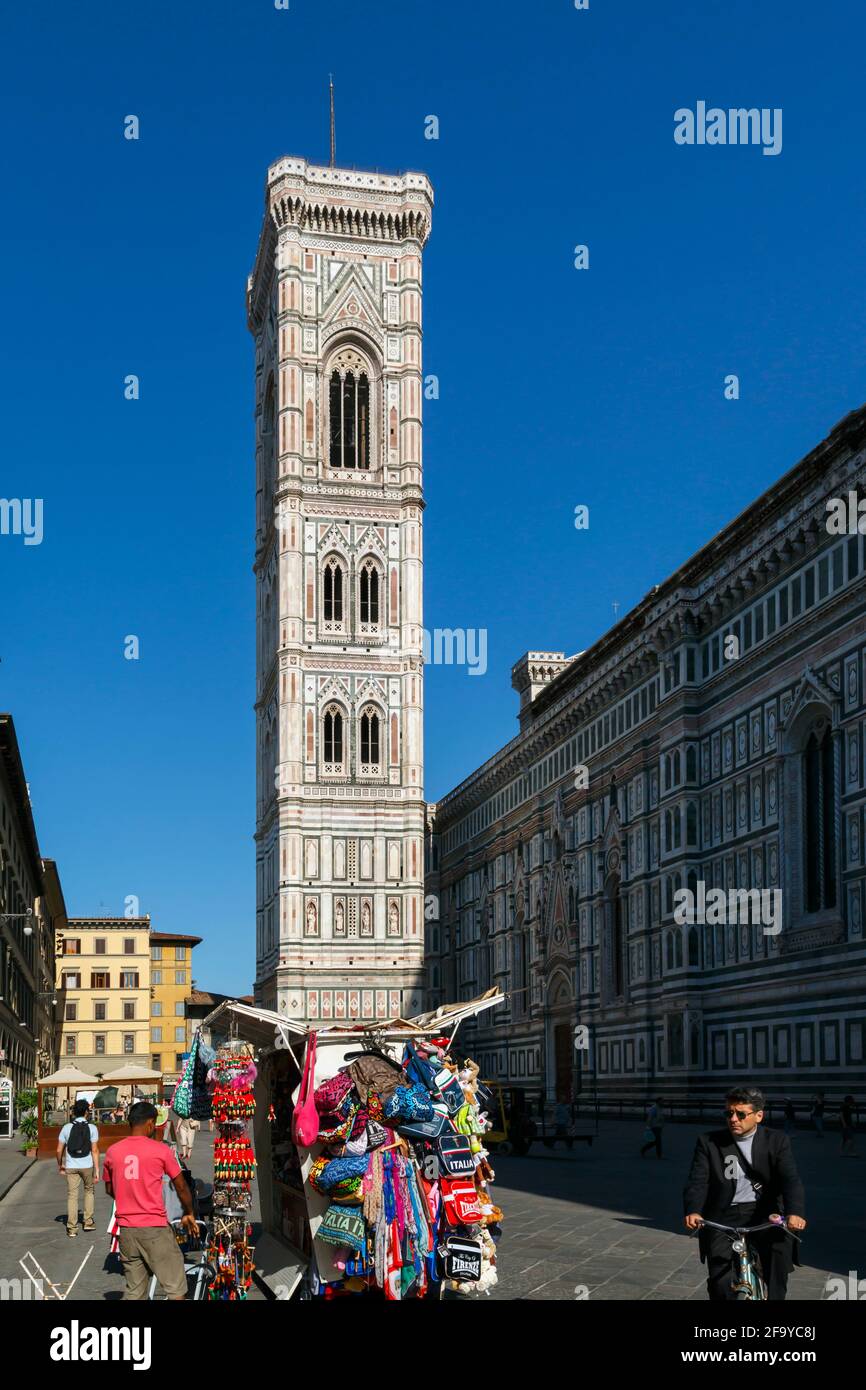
column 263, row 1027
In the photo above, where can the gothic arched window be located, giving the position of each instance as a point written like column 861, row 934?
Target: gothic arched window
column 349, row 412
column 819, row 794
column 332, row 595
column 369, row 740
column 369, row 592
column 694, row 947
column 333, row 741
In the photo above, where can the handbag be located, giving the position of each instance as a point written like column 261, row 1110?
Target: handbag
column 334, row 1128
column 461, row 1258
column 330, row 1096
column 460, row 1202
column 191, row 1099
column 344, row 1226
column 409, row 1103
column 373, row 1071
column 648, row 1137
column 428, row 1130
column 305, row 1119
column 442, row 1084
column 456, row 1156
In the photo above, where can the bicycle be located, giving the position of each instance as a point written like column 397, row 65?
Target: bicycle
column 200, row 1271
column 747, row 1281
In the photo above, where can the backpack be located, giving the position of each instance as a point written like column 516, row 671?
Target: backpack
column 78, row 1144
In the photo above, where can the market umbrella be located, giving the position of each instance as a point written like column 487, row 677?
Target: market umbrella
column 69, row 1076
column 130, row 1072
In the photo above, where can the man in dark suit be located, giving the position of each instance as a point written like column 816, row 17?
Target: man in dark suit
column 742, row 1176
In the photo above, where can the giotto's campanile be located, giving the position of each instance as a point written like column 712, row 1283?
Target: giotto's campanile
column 334, row 305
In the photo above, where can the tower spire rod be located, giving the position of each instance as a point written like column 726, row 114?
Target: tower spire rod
column 333, row 133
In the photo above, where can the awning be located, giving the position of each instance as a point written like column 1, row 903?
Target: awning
column 262, row 1027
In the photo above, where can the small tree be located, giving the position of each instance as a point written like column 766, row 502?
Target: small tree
column 28, row 1124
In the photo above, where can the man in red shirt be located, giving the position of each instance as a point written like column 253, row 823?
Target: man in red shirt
column 133, row 1170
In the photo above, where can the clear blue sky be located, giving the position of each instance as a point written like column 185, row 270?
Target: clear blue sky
column 558, row 386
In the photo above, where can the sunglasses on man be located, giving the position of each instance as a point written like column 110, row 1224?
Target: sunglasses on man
column 740, row 1114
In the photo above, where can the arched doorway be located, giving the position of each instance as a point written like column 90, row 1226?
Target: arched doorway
column 560, row 1075
column 614, row 962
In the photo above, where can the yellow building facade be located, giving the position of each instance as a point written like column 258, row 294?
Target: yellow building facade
column 103, row 985
column 171, row 983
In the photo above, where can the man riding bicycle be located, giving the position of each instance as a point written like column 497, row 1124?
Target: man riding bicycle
column 741, row 1176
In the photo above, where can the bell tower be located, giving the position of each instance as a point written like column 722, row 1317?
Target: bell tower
column 334, row 306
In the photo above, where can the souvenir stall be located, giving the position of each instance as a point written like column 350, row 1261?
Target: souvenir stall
column 374, row 1177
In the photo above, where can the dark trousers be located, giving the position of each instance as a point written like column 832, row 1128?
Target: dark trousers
column 772, row 1247
column 655, row 1142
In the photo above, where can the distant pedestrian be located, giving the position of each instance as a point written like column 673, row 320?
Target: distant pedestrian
column 655, row 1119
column 817, row 1113
column 848, row 1121
column 185, row 1129
column 78, row 1161
column 133, row 1172
column 562, row 1124
column 790, row 1116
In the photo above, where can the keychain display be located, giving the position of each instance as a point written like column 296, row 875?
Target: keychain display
column 231, row 1257
column 233, row 1160
column 231, row 1079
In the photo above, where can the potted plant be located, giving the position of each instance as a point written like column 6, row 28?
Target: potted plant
column 28, row 1124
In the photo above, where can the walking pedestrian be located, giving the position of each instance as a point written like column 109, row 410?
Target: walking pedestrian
column 78, row 1161
column 817, row 1113
column 185, row 1129
column 133, row 1172
column 655, row 1119
column 847, row 1119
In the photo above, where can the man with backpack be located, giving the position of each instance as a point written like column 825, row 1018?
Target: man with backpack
column 78, row 1161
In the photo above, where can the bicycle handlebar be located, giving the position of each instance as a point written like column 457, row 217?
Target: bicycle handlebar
column 749, row 1230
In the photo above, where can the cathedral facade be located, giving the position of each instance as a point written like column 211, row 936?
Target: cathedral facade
column 334, row 306
column 664, row 870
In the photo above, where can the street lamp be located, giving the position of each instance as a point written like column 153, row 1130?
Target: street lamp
column 16, row 917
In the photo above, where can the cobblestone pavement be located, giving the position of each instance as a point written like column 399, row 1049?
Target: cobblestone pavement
column 607, row 1220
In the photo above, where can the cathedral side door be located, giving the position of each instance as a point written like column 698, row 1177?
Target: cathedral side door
column 563, row 1059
